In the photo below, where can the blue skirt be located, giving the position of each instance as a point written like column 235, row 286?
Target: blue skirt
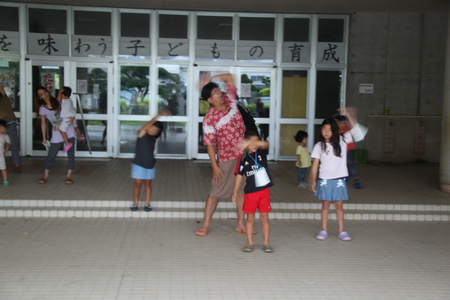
column 138, row 172
column 332, row 189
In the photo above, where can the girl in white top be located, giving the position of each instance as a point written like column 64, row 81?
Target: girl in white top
column 331, row 153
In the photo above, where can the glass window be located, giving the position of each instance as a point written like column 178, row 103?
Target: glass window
column 172, row 88
column 331, row 30
column 294, row 91
column 134, row 90
column 296, row 30
column 255, row 93
column 173, row 26
column 92, row 23
column 96, row 132
column 135, row 25
column 288, row 145
column 10, row 81
column 173, row 138
column 257, row 29
column 328, row 93
column 128, row 135
column 47, row 20
column 93, row 90
column 214, row 28
column 263, row 129
column 9, row 18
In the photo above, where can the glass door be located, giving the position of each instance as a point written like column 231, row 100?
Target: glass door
column 49, row 74
column 255, row 90
column 201, row 107
column 92, row 96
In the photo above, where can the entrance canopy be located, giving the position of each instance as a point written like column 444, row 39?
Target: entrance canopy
column 267, row 6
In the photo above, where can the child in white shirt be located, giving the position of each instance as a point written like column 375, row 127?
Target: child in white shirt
column 68, row 113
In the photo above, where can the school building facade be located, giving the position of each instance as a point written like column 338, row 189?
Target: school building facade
column 292, row 70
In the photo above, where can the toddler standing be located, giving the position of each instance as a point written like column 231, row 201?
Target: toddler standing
column 303, row 158
column 68, row 113
column 4, row 140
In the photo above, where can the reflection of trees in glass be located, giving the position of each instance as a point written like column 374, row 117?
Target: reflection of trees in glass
column 134, row 83
column 257, row 90
column 169, row 89
column 97, row 76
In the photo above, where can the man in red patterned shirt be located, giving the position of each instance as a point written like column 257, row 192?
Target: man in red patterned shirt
column 223, row 129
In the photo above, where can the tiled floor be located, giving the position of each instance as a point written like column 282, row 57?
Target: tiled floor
column 69, row 258
column 159, row 257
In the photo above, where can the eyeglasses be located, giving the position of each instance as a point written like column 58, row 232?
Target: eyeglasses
column 216, row 91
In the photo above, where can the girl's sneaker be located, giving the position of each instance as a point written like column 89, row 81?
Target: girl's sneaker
column 343, row 236
column 323, row 235
column 358, row 184
column 133, row 208
column 81, row 139
column 148, row 208
column 5, row 183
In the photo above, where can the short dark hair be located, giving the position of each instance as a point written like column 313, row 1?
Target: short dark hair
column 250, row 132
column 207, row 89
column 3, row 123
column 67, row 91
column 300, row 136
column 160, row 125
column 341, row 118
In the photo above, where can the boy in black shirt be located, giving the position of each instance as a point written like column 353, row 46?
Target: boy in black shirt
column 253, row 165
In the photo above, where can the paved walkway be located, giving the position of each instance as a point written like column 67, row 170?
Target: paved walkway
column 123, row 258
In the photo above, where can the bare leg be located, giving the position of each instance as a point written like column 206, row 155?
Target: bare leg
column 137, row 190
column 210, row 207
column 339, row 215
column 325, row 210
column 5, row 175
column 77, row 130
column 46, row 173
column 148, row 191
column 250, row 228
column 265, row 224
column 240, row 214
column 69, row 174
column 64, row 135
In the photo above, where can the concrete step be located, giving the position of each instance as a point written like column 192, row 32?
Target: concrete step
column 194, row 210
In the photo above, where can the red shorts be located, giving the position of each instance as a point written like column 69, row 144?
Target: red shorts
column 260, row 200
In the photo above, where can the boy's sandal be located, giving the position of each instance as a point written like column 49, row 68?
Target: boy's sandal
column 18, row 170
column 268, row 249
column 69, row 181
column 248, row 248
column 148, row 208
column 243, row 230
column 134, row 208
column 42, row 180
column 5, row 183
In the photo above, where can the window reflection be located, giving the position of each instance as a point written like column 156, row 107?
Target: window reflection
column 255, row 93
column 134, row 90
column 93, row 89
column 172, row 89
column 172, row 139
column 96, row 132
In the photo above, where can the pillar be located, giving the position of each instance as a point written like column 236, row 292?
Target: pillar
column 444, row 172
